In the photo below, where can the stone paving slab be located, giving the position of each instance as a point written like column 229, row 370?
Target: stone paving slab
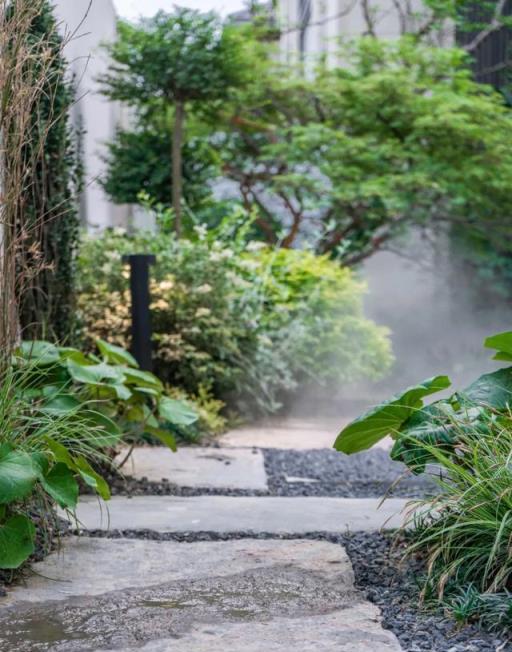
column 233, row 468
column 92, row 566
column 289, row 434
column 251, row 595
column 282, row 434
column 356, row 629
column 225, row 514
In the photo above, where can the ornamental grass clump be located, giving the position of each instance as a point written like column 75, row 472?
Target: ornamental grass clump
column 465, row 442
column 466, row 531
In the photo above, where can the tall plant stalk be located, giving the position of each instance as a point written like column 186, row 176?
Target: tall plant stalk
column 25, row 65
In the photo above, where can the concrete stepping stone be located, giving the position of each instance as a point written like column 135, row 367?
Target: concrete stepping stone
column 227, row 514
column 119, row 595
column 218, row 468
column 289, row 434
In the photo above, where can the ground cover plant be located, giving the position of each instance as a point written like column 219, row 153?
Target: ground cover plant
column 465, row 532
column 233, row 318
column 62, row 415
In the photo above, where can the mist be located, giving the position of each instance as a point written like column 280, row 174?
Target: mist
column 437, row 318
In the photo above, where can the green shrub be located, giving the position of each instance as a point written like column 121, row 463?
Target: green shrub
column 245, row 322
column 42, row 453
column 466, row 530
column 335, row 342
column 61, row 414
column 109, row 392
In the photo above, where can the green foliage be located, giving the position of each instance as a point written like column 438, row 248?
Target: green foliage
column 466, row 531
column 60, row 413
column 164, row 67
column 140, row 160
column 243, row 322
column 49, row 202
column 418, row 430
column 17, row 535
column 110, row 393
column 41, row 456
column 335, row 343
column 179, row 57
column 401, row 135
column 387, row 418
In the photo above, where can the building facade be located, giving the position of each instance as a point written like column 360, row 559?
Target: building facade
column 311, row 28
column 86, row 26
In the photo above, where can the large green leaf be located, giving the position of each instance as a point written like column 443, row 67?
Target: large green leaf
column 116, row 354
column 61, row 485
column 387, row 418
column 59, row 405
column 164, row 436
column 68, row 353
column 492, row 390
column 94, row 373
column 60, row 453
column 18, row 474
column 176, row 412
column 433, row 426
column 142, row 379
column 42, row 353
column 17, row 536
column 92, row 478
column 502, row 343
column 109, row 391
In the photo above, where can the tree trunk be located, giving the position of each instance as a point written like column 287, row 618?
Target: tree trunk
column 177, row 166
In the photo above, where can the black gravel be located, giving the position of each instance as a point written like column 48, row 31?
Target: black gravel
column 382, row 575
column 317, row 472
column 368, row 474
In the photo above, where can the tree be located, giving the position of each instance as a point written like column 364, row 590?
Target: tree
column 400, row 135
column 181, row 60
column 138, row 160
column 48, row 202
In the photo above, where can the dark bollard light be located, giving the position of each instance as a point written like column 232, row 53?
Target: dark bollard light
column 141, row 316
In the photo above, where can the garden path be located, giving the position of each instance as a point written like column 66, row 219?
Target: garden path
column 221, row 560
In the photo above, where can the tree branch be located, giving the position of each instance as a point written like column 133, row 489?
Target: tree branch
column 494, row 25
column 297, row 216
column 367, row 14
column 401, row 16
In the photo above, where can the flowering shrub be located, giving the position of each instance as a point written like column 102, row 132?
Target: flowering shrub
column 243, row 322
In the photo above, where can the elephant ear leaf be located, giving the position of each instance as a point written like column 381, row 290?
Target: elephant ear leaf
column 387, row 418
column 61, row 485
column 502, row 343
column 115, row 354
column 18, row 474
column 492, row 390
column 175, row 412
column 17, row 536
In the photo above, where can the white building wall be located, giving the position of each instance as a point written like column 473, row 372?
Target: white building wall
column 87, row 25
column 332, row 20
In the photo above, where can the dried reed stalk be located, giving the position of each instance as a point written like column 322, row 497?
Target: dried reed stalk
column 25, row 64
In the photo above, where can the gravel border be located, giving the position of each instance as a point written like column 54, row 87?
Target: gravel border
column 383, row 577
column 316, row 472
